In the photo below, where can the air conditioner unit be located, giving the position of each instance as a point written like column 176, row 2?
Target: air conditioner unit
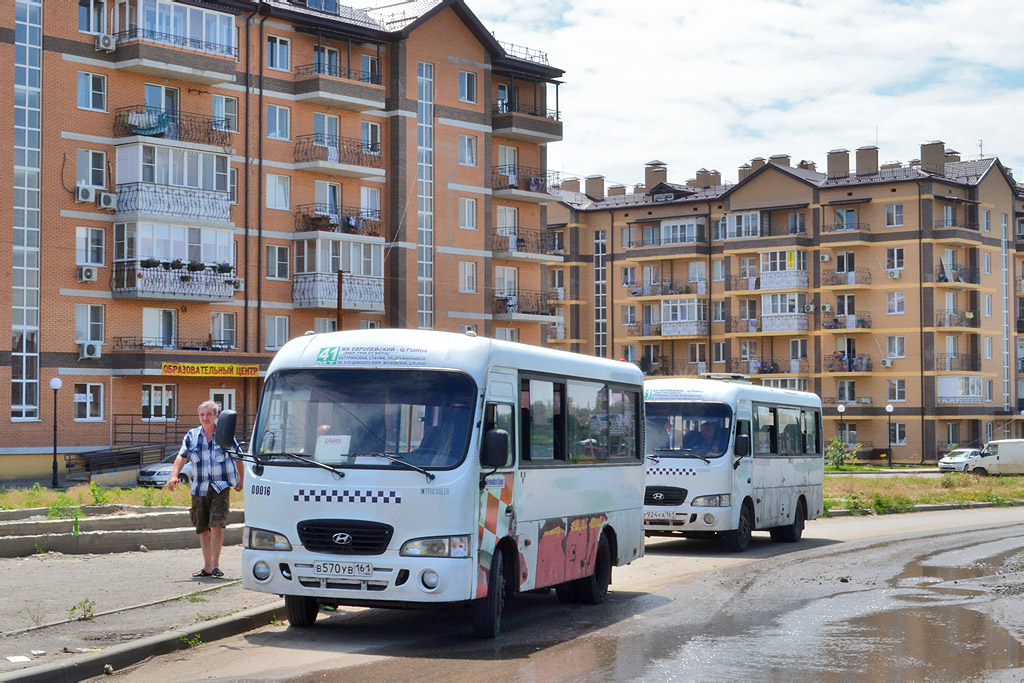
column 89, row 350
column 808, row 308
column 894, row 274
column 239, row 284
column 107, row 200
column 86, row 274
column 84, row 193
column 106, row 42
column 886, row 362
column 824, row 257
column 825, row 308
column 866, row 400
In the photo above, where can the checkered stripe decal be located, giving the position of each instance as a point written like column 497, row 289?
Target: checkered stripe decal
column 346, row 496
column 493, row 525
column 672, row 470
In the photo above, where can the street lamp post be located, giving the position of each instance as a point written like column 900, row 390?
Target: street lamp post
column 55, row 384
column 888, row 412
column 841, row 409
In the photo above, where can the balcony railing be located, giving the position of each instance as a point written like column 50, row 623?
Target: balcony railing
column 512, row 177
column 957, row 362
column 333, row 218
column 743, row 282
column 308, row 70
column 839, row 362
column 966, row 274
column 858, row 320
column 556, row 332
column 859, row 276
column 673, row 328
column 786, row 279
column 167, row 200
column 174, row 40
column 321, row 290
column 768, row 366
column 526, row 54
column 338, row 150
column 172, row 125
column 956, row 223
column 743, row 325
column 173, row 343
column 505, row 107
column 745, row 234
column 138, row 278
column 666, row 241
column 846, row 227
column 521, row 240
column 955, row 318
column 668, row 288
column 519, row 301
column 958, row 400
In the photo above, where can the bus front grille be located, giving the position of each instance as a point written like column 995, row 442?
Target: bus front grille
column 664, row 495
column 345, row 536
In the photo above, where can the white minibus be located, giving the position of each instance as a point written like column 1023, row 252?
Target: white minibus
column 405, row 468
column 726, row 457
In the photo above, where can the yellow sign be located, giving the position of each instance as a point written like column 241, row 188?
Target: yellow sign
column 210, row 370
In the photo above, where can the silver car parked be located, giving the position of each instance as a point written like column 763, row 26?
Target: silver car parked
column 957, row 459
column 158, row 473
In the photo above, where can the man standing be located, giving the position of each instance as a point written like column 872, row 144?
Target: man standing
column 214, row 473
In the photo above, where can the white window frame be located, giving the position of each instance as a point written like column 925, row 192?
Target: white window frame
column 92, row 86
column 322, row 325
column 467, row 87
column 219, row 327
column 277, row 262
column 896, row 390
column 893, row 215
column 467, row 150
column 97, row 12
column 894, row 258
column 467, row 277
column 467, row 213
column 717, row 311
column 279, row 122
column 278, row 192
column 718, row 270
column 276, row 332
column 279, row 53
column 225, row 113
column 718, row 352
column 94, row 163
column 988, row 348
column 988, row 305
column 463, row 329
column 148, row 391
column 87, row 242
column 629, row 315
column 896, row 346
column 895, row 303
column 628, row 276
column 92, row 390
column 369, row 202
column 90, row 323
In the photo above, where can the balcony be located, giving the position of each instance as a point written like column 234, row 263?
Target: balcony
column 179, row 57
column 332, row 218
column 674, row 328
column 840, row 322
column 173, row 344
column 347, row 157
column 781, row 323
column 698, row 237
column 769, row 366
column 955, row 318
column 334, row 86
column 523, row 305
column 138, row 200
column 520, row 183
column 842, row 363
column 845, row 227
column 673, row 368
column 513, row 242
column 954, row 223
column 859, row 276
column 320, row 290
column 955, row 274
column 171, row 125
column 518, row 121
column 151, row 279
column 958, row 399
column 557, row 333
column 787, row 279
column 957, row 362
column 668, row 288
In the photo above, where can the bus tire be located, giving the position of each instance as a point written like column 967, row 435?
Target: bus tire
column 566, row 592
column 301, row 609
column 593, row 589
column 791, row 533
column 737, row 540
column 489, row 608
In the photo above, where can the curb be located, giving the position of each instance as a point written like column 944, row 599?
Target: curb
column 922, row 508
column 128, row 654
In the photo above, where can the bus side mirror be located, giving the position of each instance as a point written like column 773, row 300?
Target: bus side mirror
column 495, row 451
column 742, row 446
column 224, row 435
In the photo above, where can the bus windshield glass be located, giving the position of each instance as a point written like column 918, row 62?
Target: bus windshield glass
column 358, row 417
column 686, row 430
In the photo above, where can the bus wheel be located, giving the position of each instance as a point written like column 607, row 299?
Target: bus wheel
column 737, row 540
column 791, row 533
column 302, row 610
column 488, row 609
column 593, row 589
column 566, row 592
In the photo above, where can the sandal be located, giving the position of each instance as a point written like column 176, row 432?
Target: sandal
column 202, row 574
column 217, row 573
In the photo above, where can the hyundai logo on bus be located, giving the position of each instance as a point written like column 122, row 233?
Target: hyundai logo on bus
column 659, row 496
column 342, row 538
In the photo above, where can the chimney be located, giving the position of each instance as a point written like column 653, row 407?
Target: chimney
column 914, row 163
column 838, row 163
column 715, row 177
column 889, row 165
column 703, row 178
column 654, row 172
column 639, row 188
column 756, row 163
column 807, row 165
column 616, row 190
column 571, row 185
column 779, row 159
column 744, row 171
column 691, row 182
column 933, row 157
column 595, row 186
column 952, row 156
column 867, row 160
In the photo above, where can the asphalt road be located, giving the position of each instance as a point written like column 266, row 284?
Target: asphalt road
column 861, row 598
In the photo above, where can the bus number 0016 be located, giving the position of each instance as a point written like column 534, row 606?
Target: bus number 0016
column 258, row 490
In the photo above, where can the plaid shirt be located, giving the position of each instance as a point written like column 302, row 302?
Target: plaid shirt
column 212, row 467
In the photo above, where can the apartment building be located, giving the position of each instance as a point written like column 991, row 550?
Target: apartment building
column 888, row 289
column 193, row 183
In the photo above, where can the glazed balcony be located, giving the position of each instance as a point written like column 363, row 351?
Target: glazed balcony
column 333, row 218
column 519, row 304
column 320, row 290
column 955, row 318
column 136, row 200
column 520, row 183
column 843, row 363
column 153, row 279
column 859, row 276
column 698, row 237
column 856, row 321
column 957, row 362
column 783, row 323
column 513, row 242
column 174, row 56
column 171, row 125
column 347, row 157
column 667, row 288
column 518, row 121
column 334, row 86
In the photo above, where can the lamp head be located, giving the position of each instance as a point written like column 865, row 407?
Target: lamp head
column 888, row 408
column 56, row 383
column 841, row 408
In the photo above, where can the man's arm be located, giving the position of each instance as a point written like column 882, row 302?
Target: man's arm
column 179, row 463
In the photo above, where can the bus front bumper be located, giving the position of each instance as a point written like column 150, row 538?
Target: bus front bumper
column 687, row 518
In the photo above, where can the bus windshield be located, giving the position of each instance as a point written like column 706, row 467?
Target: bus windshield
column 678, row 429
column 366, row 417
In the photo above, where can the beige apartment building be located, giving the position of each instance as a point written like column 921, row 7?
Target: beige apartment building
column 193, row 183
column 892, row 290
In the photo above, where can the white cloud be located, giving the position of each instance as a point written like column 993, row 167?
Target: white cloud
column 713, row 84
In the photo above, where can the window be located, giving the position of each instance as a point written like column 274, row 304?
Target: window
column 506, row 333
column 467, row 87
column 986, row 220
column 467, row 150
column 463, row 329
column 89, row 323
column 718, row 352
column 988, row 305
column 92, row 168
column 628, row 353
column 181, row 167
column 278, row 191
column 370, row 69
column 278, row 53
column 797, row 223
column 369, row 324
column 222, row 329
column 277, row 262
column 898, row 436
column 92, row 16
column 325, row 60
column 467, row 213
column 988, row 390
column 986, row 260
column 278, row 122
column 893, row 215
column 628, row 315
column 628, row 276
column 896, row 347
column 894, row 303
column 277, row 331
column 92, row 91
column 321, row 325
column 225, row 113
column 88, row 401
column 894, row 258
column 846, row 390
column 89, row 246
column 370, row 132
column 233, row 185
column 896, row 390
column 369, row 202
column 718, row 311
column 159, row 402
column 467, row 277
column 988, row 348
column 718, row 270
column 323, row 5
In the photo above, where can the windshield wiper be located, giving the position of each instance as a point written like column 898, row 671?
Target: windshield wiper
column 397, row 461
column 684, row 452
column 302, row 458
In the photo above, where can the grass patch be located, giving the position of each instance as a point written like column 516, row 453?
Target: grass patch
column 900, row 494
column 62, row 504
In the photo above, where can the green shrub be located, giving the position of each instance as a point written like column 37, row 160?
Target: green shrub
column 99, row 494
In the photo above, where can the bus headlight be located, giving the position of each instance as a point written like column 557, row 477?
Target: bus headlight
column 261, row 539
column 719, row 500
column 438, row 546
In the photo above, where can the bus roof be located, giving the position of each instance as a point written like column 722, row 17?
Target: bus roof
column 725, row 391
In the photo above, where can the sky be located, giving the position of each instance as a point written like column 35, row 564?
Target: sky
column 713, row 83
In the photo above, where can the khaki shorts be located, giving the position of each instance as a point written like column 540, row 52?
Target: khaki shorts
column 210, row 510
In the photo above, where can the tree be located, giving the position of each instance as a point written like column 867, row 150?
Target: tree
column 839, row 453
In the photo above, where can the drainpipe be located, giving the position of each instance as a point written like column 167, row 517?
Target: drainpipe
column 246, row 202
column 259, row 186
column 920, row 290
column 709, row 351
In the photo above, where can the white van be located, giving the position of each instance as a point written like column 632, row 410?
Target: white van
column 1005, row 456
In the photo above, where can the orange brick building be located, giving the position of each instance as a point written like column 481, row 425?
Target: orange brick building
column 188, row 178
